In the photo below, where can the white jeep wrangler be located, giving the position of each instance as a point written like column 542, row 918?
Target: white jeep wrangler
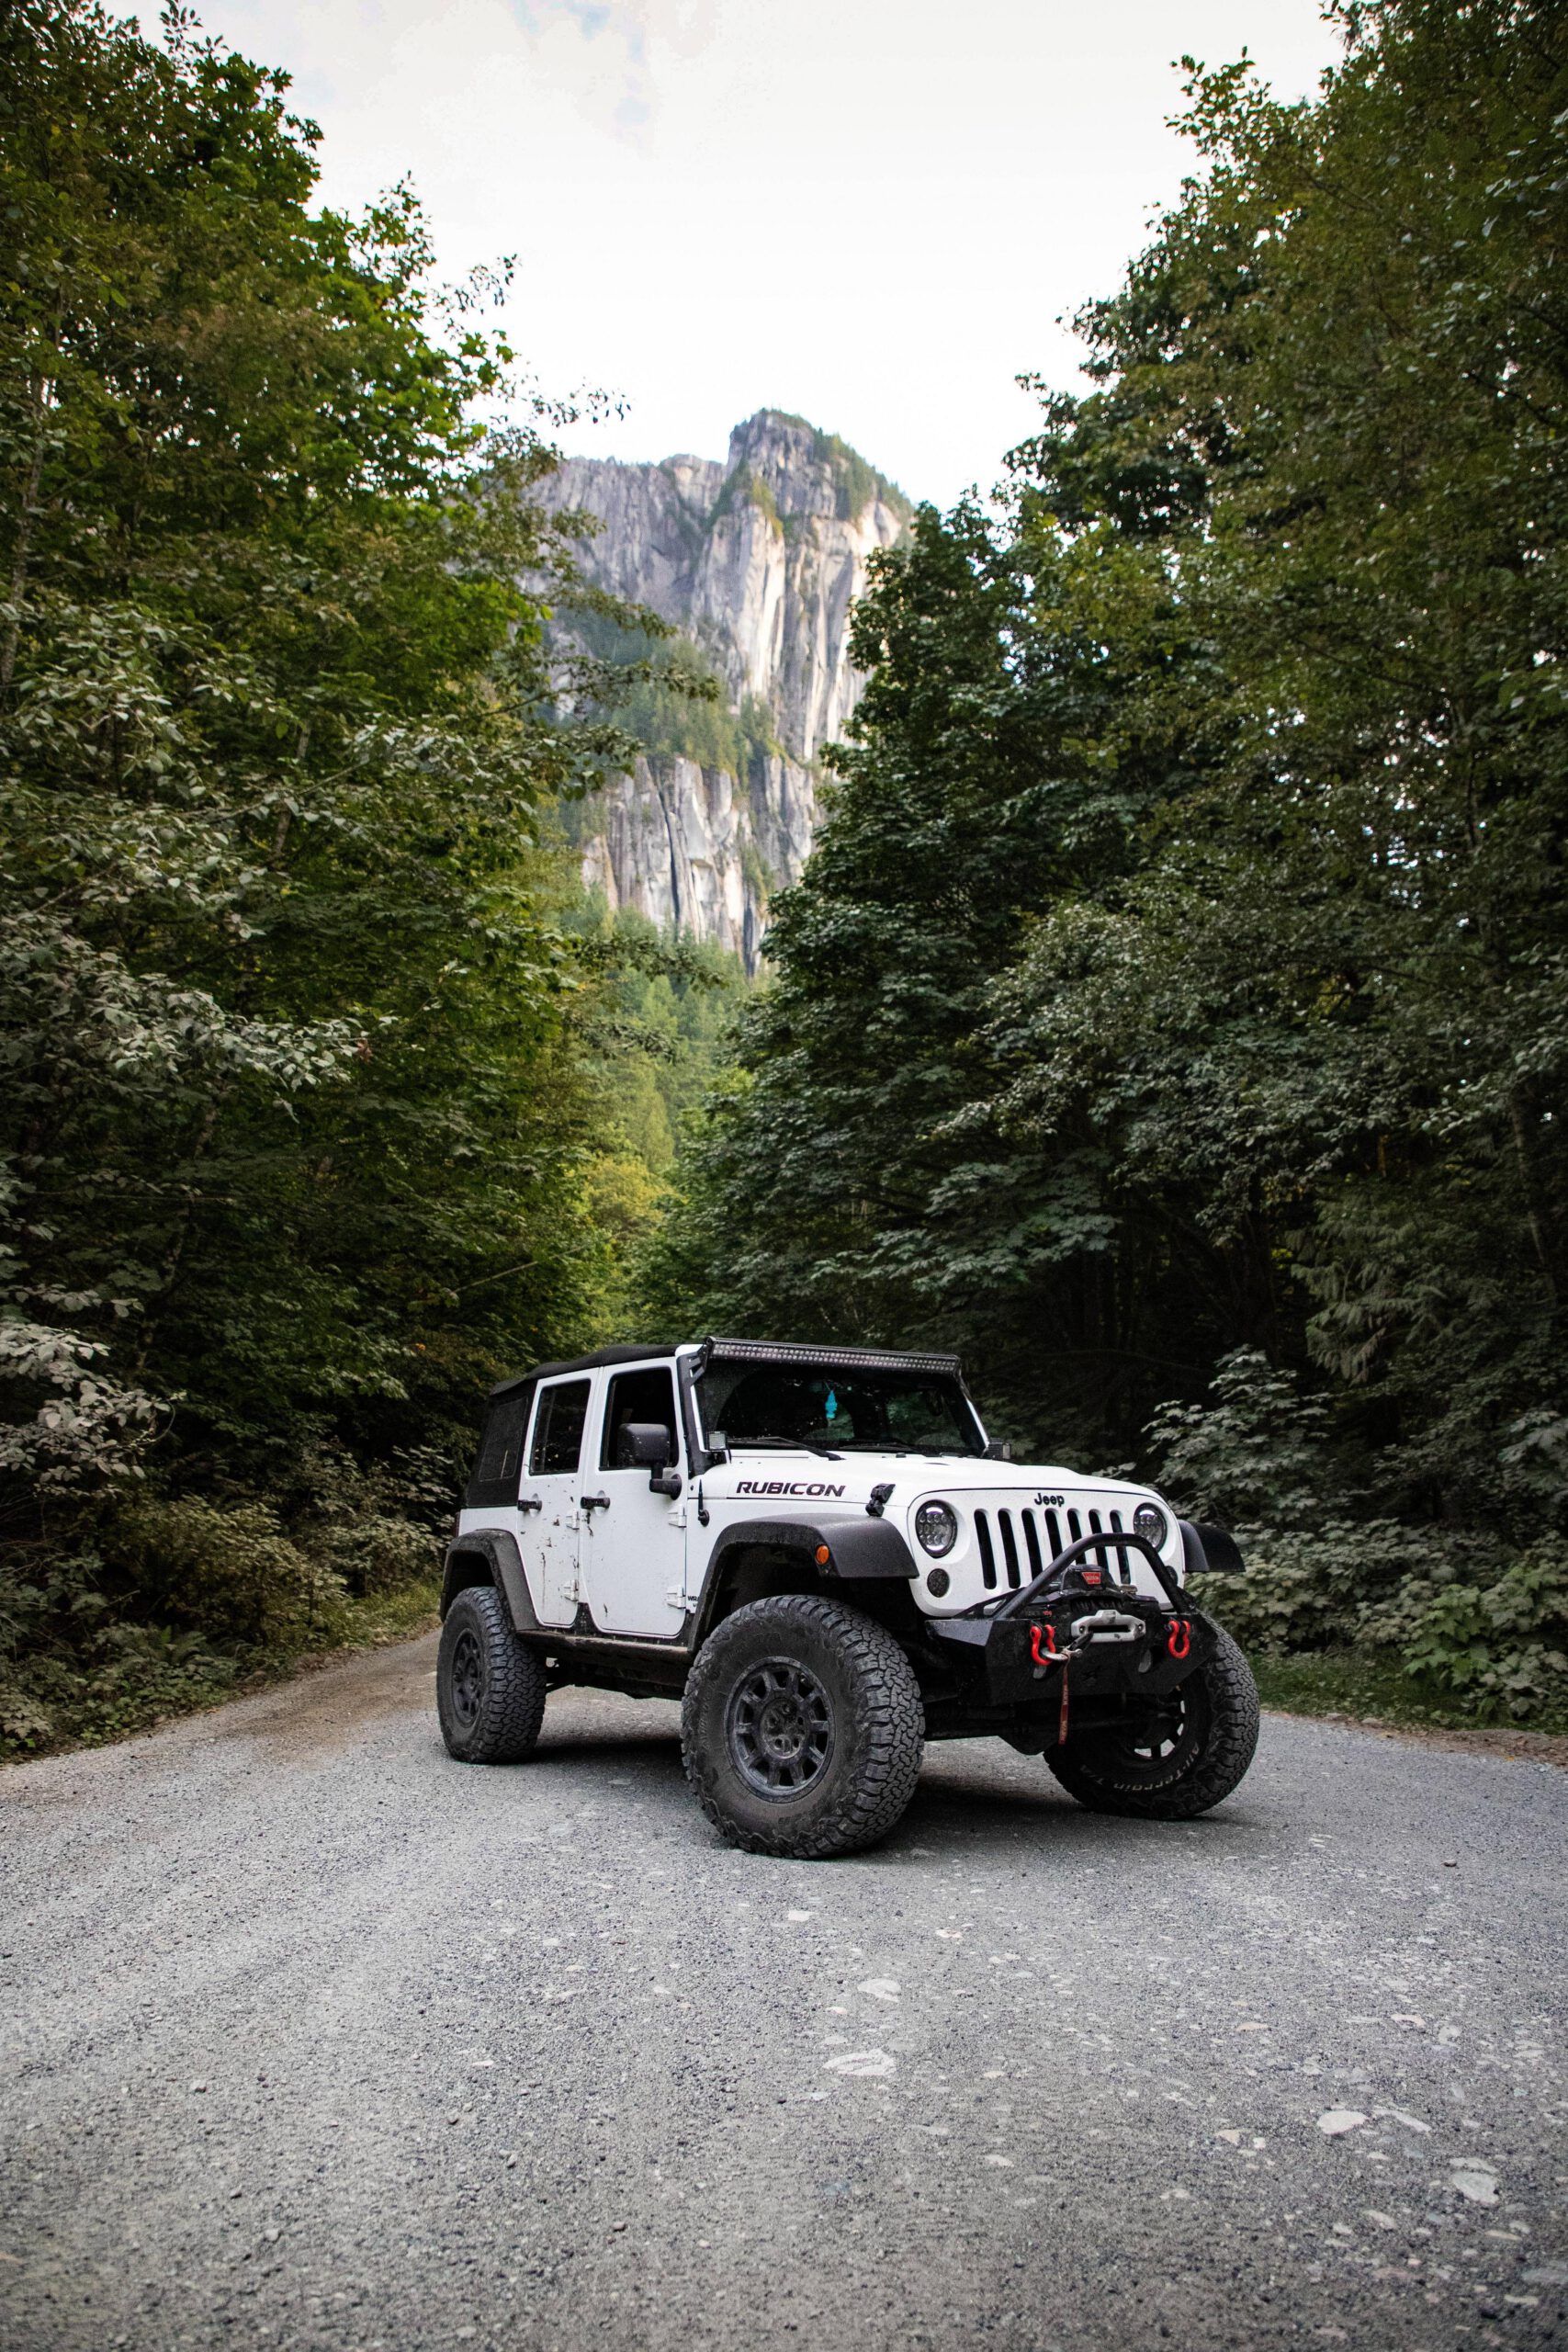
column 819, row 1552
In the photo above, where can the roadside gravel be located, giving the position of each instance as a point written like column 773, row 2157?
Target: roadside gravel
column 313, row 2038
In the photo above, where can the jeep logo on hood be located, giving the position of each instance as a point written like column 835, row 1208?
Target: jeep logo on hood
column 1052, row 1502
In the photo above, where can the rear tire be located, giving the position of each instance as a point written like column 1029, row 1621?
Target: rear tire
column 802, row 1729
column 1208, row 1747
column 490, row 1687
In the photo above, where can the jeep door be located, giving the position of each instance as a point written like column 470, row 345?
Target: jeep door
column 634, row 1546
column 552, row 1496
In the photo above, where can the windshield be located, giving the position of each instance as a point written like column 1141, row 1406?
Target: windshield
column 838, row 1412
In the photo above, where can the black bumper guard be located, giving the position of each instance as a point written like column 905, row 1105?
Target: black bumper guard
column 1108, row 1636
column 1056, row 1571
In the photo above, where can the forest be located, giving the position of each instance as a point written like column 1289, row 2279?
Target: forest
column 1173, row 1015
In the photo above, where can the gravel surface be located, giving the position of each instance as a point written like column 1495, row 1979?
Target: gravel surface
column 314, row 2038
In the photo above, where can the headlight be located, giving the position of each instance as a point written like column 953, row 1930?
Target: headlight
column 936, row 1529
column 1151, row 1523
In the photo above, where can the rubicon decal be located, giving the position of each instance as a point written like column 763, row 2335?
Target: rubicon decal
column 785, row 1487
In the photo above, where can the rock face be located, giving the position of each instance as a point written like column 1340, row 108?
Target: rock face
column 757, row 562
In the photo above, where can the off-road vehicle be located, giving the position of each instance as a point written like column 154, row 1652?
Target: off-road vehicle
column 818, row 1552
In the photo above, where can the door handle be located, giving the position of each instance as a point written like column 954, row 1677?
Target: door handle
column 594, row 1502
column 529, row 1502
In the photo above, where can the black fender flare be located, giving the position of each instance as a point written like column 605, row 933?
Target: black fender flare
column 856, row 1548
column 1209, row 1551
column 495, row 1551
column 860, row 1550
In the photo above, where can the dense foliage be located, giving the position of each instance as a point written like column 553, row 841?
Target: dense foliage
column 301, row 1140
column 1174, row 1013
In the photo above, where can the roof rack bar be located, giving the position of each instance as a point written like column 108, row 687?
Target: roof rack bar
column 830, row 1359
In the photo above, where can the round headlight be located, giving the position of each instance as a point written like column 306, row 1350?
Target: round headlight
column 1151, row 1523
column 936, row 1529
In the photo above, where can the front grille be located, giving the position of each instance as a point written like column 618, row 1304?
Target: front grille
column 1001, row 1561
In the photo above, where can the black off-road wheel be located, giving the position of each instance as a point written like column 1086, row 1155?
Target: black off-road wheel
column 802, row 1729
column 1178, row 1767
column 490, row 1687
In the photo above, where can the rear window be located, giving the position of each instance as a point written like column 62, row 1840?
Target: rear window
column 494, row 1483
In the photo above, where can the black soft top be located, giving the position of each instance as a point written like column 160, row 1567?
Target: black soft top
column 581, row 1363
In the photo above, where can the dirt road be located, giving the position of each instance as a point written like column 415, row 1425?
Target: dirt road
column 313, row 2038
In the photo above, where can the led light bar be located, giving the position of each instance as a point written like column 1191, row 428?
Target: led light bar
column 829, row 1359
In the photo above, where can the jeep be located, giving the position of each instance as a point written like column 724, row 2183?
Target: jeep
column 817, row 1550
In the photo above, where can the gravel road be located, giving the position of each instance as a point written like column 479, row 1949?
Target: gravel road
column 314, row 2038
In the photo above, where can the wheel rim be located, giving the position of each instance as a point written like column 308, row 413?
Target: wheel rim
column 1161, row 1755
column 468, row 1678
column 780, row 1728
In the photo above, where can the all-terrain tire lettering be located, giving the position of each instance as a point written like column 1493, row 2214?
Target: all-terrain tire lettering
column 1106, row 1781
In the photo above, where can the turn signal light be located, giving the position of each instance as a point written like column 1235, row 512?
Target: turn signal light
column 823, row 1556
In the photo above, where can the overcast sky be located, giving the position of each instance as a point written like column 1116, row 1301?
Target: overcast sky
column 871, row 212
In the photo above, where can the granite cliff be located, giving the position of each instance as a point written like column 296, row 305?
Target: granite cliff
column 755, row 560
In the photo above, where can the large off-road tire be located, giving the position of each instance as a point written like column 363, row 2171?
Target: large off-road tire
column 1207, row 1748
column 490, row 1687
column 802, row 1729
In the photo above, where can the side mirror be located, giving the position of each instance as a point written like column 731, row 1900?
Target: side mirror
column 998, row 1449
column 649, row 1445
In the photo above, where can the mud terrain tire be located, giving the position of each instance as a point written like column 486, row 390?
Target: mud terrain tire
column 802, row 1728
column 1202, row 1764
column 490, row 1687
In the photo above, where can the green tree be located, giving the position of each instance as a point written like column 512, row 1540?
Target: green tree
column 1220, row 1005
column 297, row 1147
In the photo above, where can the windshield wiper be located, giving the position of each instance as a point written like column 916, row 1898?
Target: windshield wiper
column 799, row 1444
column 856, row 1445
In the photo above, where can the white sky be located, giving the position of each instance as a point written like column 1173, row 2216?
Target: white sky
column 873, row 212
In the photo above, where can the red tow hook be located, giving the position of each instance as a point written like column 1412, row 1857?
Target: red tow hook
column 1178, row 1639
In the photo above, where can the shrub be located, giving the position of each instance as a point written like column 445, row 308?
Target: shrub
column 1500, row 1645
column 376, row 1553
column 232, row 1574
column 1466, row 1621
column 1309, row 1589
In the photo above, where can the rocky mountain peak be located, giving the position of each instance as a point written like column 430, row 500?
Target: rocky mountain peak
column 757, row 560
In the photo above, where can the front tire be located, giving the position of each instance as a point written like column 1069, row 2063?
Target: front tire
column 802, row 1729
column 1204, row 1749
column 490, row 1687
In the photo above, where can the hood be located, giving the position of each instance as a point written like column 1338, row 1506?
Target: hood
column 1007, row 1518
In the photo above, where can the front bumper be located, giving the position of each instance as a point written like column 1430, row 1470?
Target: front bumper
column 1083, row 1625
column 1022, row 1659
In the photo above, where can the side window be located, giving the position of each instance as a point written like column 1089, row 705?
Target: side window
column 639, row 1396
column 494, row 1481
column 557, row 1431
